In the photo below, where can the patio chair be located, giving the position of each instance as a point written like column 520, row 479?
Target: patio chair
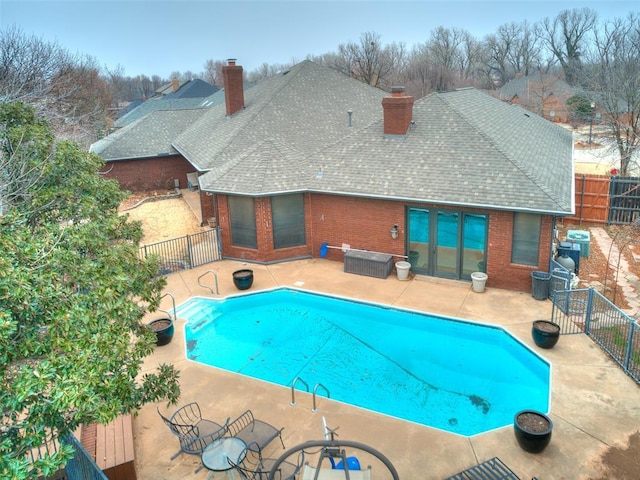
column 255, row 467
column 250, row 430
column 193, row 432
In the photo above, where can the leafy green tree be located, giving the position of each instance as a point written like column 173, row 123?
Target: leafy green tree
column 73, row 292
column 579, row 107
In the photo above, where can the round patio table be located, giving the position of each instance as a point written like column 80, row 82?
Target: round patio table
column 217, row 455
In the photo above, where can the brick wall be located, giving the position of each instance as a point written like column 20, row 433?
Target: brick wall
column 142, row 175
column 366, row 224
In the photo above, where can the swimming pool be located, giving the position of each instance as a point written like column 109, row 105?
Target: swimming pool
column 447, row 373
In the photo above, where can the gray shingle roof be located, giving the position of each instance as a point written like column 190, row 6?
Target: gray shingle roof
column 148, row 137
column 164, row 103
column 465, row 148
column 304, row 108
column 529, row 88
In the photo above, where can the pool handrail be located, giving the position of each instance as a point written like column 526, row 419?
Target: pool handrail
column 315, row 389
column 293, row 386
column 215, row 275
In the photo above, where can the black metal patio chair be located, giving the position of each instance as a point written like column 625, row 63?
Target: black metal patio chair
column 250, row 430
column 193, row 431
column 256, row 467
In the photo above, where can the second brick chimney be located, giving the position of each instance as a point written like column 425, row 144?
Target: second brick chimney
column 398, row 112
column 233, row 87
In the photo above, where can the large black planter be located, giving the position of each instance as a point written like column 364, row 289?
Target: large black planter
column 533, row 430
column 243, row 279
column 545, row 333
column 163, row 328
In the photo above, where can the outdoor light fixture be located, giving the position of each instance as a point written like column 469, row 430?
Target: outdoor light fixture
column 394, row 232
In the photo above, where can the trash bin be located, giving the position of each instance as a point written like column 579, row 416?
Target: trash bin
column 541, row 282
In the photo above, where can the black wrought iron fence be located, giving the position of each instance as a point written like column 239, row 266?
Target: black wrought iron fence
column 588, row 311
column 81, row 466
column 185, row 252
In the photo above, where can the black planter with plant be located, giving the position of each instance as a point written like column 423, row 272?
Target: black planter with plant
column 532, row 430
column 545, row 333
column 243, row 279
column 163, row 328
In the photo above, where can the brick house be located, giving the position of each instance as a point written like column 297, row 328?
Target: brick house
column 543, row 94
column 456, row 182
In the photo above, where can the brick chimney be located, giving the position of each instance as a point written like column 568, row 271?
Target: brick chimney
column 398, row 112
column 175, row 84
column 233, row 87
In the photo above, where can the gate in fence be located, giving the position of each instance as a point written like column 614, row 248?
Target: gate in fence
column 186, row 252
column 624, row 200
column 588, row 311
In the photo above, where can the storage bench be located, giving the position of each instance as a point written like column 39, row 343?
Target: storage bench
column 372, row 264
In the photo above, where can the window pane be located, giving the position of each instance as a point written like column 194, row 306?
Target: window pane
column 419, row 238
column 526, row 239
column 243, row 222
column 288, row 220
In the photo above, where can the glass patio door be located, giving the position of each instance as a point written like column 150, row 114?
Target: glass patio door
column 446, row 251
column 446, row 243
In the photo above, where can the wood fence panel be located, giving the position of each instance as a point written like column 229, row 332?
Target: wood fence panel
column 591, row 198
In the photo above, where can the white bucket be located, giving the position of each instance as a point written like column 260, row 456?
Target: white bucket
column 478, row 281
column 402, row 269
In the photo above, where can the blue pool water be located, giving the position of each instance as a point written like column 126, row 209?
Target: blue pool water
column 450, row 374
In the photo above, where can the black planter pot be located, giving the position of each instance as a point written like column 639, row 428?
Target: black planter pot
column 533, row 430
column 545, row 333
column 163, row 328
column 243, row 279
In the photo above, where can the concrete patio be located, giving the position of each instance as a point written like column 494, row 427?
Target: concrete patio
column 594, row 405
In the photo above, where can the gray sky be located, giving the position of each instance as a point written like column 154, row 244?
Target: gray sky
column 159, row 37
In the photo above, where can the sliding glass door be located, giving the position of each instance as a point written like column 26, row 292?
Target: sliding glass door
column 446, row 243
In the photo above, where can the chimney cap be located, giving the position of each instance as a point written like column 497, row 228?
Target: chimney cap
column 232, row 61
column 397, row 89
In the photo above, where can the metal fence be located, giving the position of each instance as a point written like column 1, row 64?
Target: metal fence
column 624, row 200
column 588, row 311
column 81, row 466
column 186, row 252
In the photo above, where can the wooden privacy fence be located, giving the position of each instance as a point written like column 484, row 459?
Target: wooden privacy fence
column 591, row 198
column 602, row 199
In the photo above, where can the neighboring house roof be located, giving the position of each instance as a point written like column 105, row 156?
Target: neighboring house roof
column 530, row 88
column 193, row 89
column 150, row 136
column 169, row 103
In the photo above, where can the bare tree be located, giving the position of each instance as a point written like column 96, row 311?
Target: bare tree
column 67, row 90
column 213, row 72
column 614, row 83
column 525, row 57
column 566, row 36
column 369, row 61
